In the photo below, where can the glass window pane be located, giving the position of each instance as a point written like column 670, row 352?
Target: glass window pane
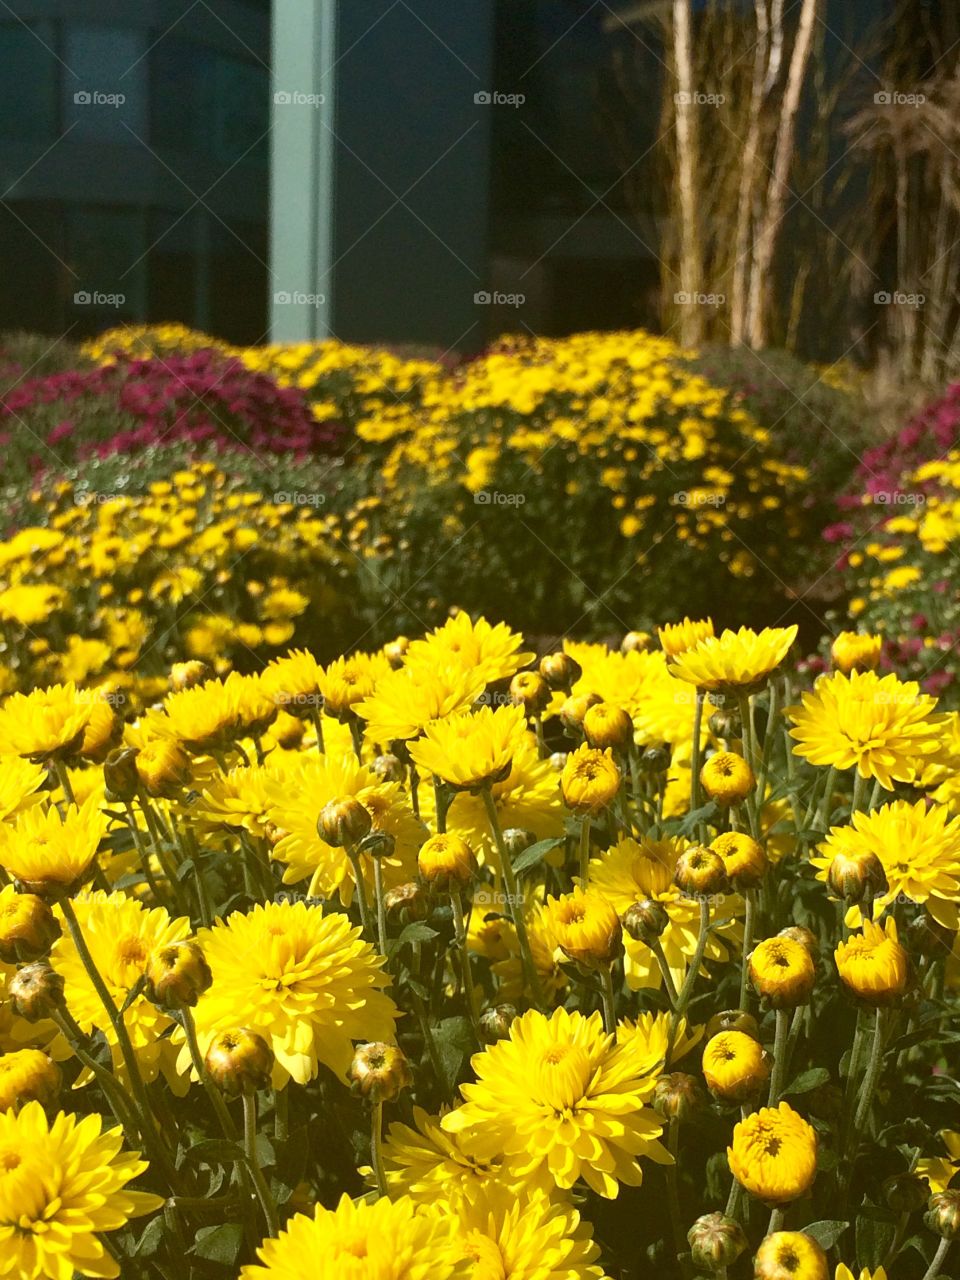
column 29, row 80
column 107, row 97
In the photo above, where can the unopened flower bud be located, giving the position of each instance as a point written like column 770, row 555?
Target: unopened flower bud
column 733, row 1020
column 177, row 975
column 28, row 927
column 852, row 651
column 529, row 690
column 163, row 767
column 587, row 927
column 27, row 1075
column 716, row 1242
column 700, row 872
column 239, row 1061
column 735, row 1066
column 806, row 937
column 790, row 1255
column 573, row 711
column 378, row 844
column 857, row 877
column 943, row 1214
column 344, row 822
column 637, row 642
column 516, row 841
column 495, row 1023
column 388, row 767
column 396, row 650
column 905, row 1192
column 655, row 760
column 744, row 859
column 726, row 724
column 379, row 1072
column 407, row 902
column 36, row 991
column 606, row 725
column 120, row 774
column 184, row 675
column 783, row 972
column 727, row 778
column 645, row 920
column 679, row 1096
column 560, row 671
column 446, row 861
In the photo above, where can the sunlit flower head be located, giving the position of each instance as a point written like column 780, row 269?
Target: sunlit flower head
column 735, row 661
column 305, row 981
column 790, row 1255
column 473, row 749
column 345, row 682
column 735, row 1066
column 588, row 928
column 873, row 964
column 561, row 1096
column 881, row 726
column 490, row 651
column 853, row 651
column 774, row 1154
column 51, row 853
column 293, row 682
column 649, row 1038
column 425, row 1162
column 589, row 780
column 20, row 781
column 677, row 637
column 44, row 723
column 62, row 1184
column 404, row 702
column 204, row 717
column 940, row 1171
column 843, row 1272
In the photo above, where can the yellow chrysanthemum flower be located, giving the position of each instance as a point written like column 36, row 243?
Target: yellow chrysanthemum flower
column 854, row 651
column 649, row 1038
column 472, row 749
column 370, row 1240
column 560, row 1096
column 20, row 780
column 491, row 652
column 883, row 727
column 525, row 1237
column 495, row 936
column 425, row 1162
column 774, row 1154
column 44, row 723
column 62, row 1183
column 347, row 681
column 29, row 604
column 678, row 637
column 843, row 1272
column 873, row 964
column 919, row 848
column 293, row 682
column 49, row 852
column 306, row 982
column 790, row 1255
column 203, row 717
column 590, row 779
column 735, row 1066
column 735, row 661
column 940, row 1171
column 404, row 702
column 121, row 935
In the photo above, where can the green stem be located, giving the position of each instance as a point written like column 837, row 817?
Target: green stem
column 750, row 899
column 609, row 1000
column 281, row 1114
column 253, row 1164
column 673, row 1190
column 776, row 1220
column 213, row 1093
column 63, row 777
column 656, row 946
column 873, row 1074
column 365, row 919
column 686, row 991
column 584, row 850
column 381, row 904
column 695, row 753
column 778, row 1075
column 859, row 791
column 469, row 990
column 124, row 1108
column 933, row 1270
column 376, row 1146
column 515, row 899
column 317, row 719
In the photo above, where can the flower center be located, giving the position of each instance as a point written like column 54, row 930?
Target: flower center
column 563, row 1076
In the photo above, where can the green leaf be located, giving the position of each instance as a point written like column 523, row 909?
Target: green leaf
column 219, row 1244
column 808, row 1080
column 826, row 1232
column 216, row 1151
column 535, row 854
column 134, row 993
column 876, row 1229
column 150, row 1241
column 454, row 1039
column 416, row 931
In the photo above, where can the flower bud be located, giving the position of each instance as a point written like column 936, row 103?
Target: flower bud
column 379, row 1072
column 727, row 778
column 516, row 840
column 587, row 928
column 700, row 872
column 716, row 1242
column 782, row 971
column 407, row 902
column 726, row 724
column 287, row 730
column 36, row 991
column 857, row 878
column 388, row 767
column 102, row 732
column 529, row 690
column 184, row 675
column 557, row 760
column 605, row 725
column 163, row 767
column 573, row 711
column 239, row 1062
column 344, row 822
column 27, row 1075
column 560, row 671
column 905, row 1192
column 645, row 920
column 790, row 1255
column 854, row 652
column 395, row 651
column 744, row 859
column 177, row 975
column 943, row 1214
column 378, row 844
column 873, row 965
column 120, row 774
column 679, row 1096
column 28, row 928
column 446, row 861
column 733, row 1020
column 735, row 1066
column 637, row 642
column 655, row 760
column 590, row 780
column 495, row 1023
column 806, row 937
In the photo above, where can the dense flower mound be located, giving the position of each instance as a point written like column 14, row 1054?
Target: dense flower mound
column 451, row 958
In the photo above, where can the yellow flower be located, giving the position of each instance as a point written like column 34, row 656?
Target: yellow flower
column 940, row 1171
column 62, row 1183
column 20, row 780
column 782, row 971
column 404, row 702
column 774, row 1154
column 202, row 717
column 727, row 778
column 590, row 779
column 881, row 726
column 735, row 1066
column 744, row 859
column 873, row 964
column 491, row 652
column 293, row 682
column 306, row 982
column 347, row 681
column 50, row 853
column 853, row 651
column 678, row 637
column 587, row 927
column 30, row 605
column 735, row 661
column 379, row 1240
column 649, row 1038
column 28, row 1075
column 561, row 1097
column 843, row 1272
column 425, row 1162
column 790, row 1255
column 44, row 723
column 918, row 847
column 473, row 749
